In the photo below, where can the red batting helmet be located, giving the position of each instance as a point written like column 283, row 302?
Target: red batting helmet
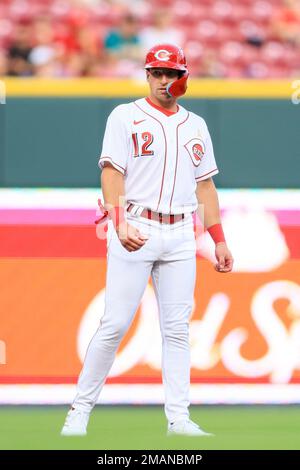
column 166, row 56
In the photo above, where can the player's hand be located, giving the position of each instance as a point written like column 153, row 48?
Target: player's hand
column 224, row 258
column 130, row 237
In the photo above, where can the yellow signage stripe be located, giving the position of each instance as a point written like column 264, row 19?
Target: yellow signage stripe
column 107, row 88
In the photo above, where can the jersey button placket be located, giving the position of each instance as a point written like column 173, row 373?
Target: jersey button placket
column 170, row 168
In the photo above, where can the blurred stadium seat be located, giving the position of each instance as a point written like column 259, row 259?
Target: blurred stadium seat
column 242, row 34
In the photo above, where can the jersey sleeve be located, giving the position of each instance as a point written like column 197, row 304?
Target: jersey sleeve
column 115, row 143
column 208, row 166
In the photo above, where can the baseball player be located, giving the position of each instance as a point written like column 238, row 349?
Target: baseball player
column 157, row 165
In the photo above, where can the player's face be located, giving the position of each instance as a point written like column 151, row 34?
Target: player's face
column 158, row 80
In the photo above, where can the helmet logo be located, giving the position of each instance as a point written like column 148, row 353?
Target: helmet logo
column 162, row 54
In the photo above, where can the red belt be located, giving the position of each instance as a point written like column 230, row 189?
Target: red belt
column 158, row 216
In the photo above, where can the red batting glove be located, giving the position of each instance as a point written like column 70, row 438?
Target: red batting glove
column 103, row 213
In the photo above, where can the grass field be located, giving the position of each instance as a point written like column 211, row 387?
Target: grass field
column 240, row 427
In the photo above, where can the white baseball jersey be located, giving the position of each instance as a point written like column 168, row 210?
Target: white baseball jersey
column 162, row 156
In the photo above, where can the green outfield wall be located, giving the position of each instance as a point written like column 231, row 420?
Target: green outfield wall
column 51, row 134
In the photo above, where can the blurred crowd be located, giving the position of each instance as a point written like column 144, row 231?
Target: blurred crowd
column 109, row 38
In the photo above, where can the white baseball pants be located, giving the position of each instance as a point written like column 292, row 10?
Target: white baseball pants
column 169, row 257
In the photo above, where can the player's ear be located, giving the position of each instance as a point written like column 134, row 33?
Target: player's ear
column 147, row 75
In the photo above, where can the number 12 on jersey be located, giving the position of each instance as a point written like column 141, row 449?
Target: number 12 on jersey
column 147, row 139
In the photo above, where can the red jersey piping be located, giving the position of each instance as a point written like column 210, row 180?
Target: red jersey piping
column 160, row 108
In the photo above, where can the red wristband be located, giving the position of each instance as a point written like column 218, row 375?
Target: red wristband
column 216, row 233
